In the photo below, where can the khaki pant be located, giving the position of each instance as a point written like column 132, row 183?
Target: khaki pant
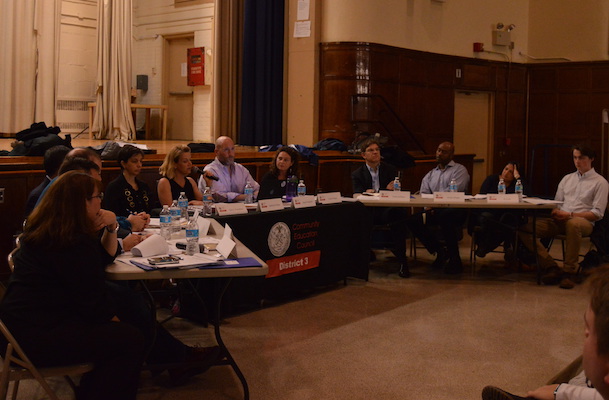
column 575, row 229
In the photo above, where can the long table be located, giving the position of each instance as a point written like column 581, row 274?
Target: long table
column 424, row 202
column 304, row 249
column 121, row 271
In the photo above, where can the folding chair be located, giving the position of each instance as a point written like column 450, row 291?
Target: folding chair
column 16, row 366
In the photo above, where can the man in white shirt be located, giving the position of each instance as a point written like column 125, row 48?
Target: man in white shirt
column 584, row 196
column 593, row 382
column 231, row 176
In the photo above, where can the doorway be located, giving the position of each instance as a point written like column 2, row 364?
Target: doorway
column 178, row 95
column 473, row 130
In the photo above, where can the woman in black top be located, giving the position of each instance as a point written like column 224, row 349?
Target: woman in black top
column 284, row 165
column 127, row 194
column 57, row 304
column 176, row 169
column 496, row 226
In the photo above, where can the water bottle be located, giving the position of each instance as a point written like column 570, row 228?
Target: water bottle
column 175, row 212
column 249, row 193
column 291, row 187
column 192, row 236
column 165, row 217
column 183, row 204
column 501, row 186
column 397, row 185
column 207, row 201
column 518, row 189
column 302, row 189
column 452, row 187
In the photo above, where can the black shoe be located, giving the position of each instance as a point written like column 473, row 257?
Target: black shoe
column 454, row 267
column 552, row 276
column 404, row 271
column 199, row 360
column 441, row 258
column 494, row 393
column 481, row 251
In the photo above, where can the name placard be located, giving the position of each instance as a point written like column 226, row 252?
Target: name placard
column 502, row 198
column 230, row 208
column 394, row 195
column 303, row 201
column 449, row 197
column 329, row 198
column 270, row 205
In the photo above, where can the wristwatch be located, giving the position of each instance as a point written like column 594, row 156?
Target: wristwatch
column 556, row 391
column 110, row 230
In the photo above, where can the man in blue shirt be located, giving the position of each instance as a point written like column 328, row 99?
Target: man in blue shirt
column 449, row 221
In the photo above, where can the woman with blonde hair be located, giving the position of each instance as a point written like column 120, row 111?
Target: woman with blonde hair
column 176, row 169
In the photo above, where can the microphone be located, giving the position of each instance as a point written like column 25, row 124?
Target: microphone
column 198, row 170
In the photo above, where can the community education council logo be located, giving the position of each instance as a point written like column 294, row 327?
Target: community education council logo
column 279, row 239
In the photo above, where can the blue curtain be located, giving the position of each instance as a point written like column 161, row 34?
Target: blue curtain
column 262, row 86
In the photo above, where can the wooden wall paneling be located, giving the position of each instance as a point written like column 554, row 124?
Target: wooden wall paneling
column 412, row 70
column 439, row 117
column 335, row 114
column 599, row 78
column 475, row 76
column 441, row 72
column 412, row 109
column 572, row 121
column 542, row 79
column 573, row 79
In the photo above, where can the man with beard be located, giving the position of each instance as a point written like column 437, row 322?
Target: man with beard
column 226, row 177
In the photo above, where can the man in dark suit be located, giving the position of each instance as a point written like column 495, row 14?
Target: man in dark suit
column 53, row 158
column 377, row 175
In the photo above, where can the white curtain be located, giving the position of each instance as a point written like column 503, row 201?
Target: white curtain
column 113, row 118
column 29, row 46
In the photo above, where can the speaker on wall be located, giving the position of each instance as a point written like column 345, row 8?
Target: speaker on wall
column 142, row 82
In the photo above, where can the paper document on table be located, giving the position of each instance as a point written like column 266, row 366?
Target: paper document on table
column 535, row 200
column 479, row 196
column 226, row 244
column 152, row 246
column 427, row 195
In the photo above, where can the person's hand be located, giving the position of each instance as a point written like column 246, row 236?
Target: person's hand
column 138, row 221
column 131, row 241
column 369, row 190
column 390, row 186
column 543, row 393
column 560, row 215
column 195, row 203
column 104, row 218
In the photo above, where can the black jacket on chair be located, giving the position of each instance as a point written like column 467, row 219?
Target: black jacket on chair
column 362, row 180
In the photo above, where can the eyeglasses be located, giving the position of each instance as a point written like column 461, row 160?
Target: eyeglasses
column 99, row 196
column 376, row 150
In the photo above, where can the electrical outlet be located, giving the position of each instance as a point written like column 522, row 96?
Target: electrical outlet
column 1, row 195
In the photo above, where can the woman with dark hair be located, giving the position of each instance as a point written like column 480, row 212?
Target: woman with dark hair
column 57, row 304
column 496, row 226
column 176, row 169
column 127, row 194
column 284, row 165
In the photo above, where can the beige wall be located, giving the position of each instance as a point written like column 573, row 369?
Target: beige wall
column 578, row 30
column 152, row 21
column 447, row 28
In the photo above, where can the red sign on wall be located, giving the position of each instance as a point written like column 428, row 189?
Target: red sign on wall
column 196, row 66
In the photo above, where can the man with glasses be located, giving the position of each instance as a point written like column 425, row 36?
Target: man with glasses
column 377, row 175
column 226, row 177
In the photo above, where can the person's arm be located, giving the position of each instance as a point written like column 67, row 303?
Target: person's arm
column 164, row 192
column 106, row 220
column 565, row 392
column 196, row 191
column 461, row 176
column 425, row 184
column 359, row 186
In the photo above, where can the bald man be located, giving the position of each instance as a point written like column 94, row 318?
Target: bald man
column 232, row 176
column 449, row 220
